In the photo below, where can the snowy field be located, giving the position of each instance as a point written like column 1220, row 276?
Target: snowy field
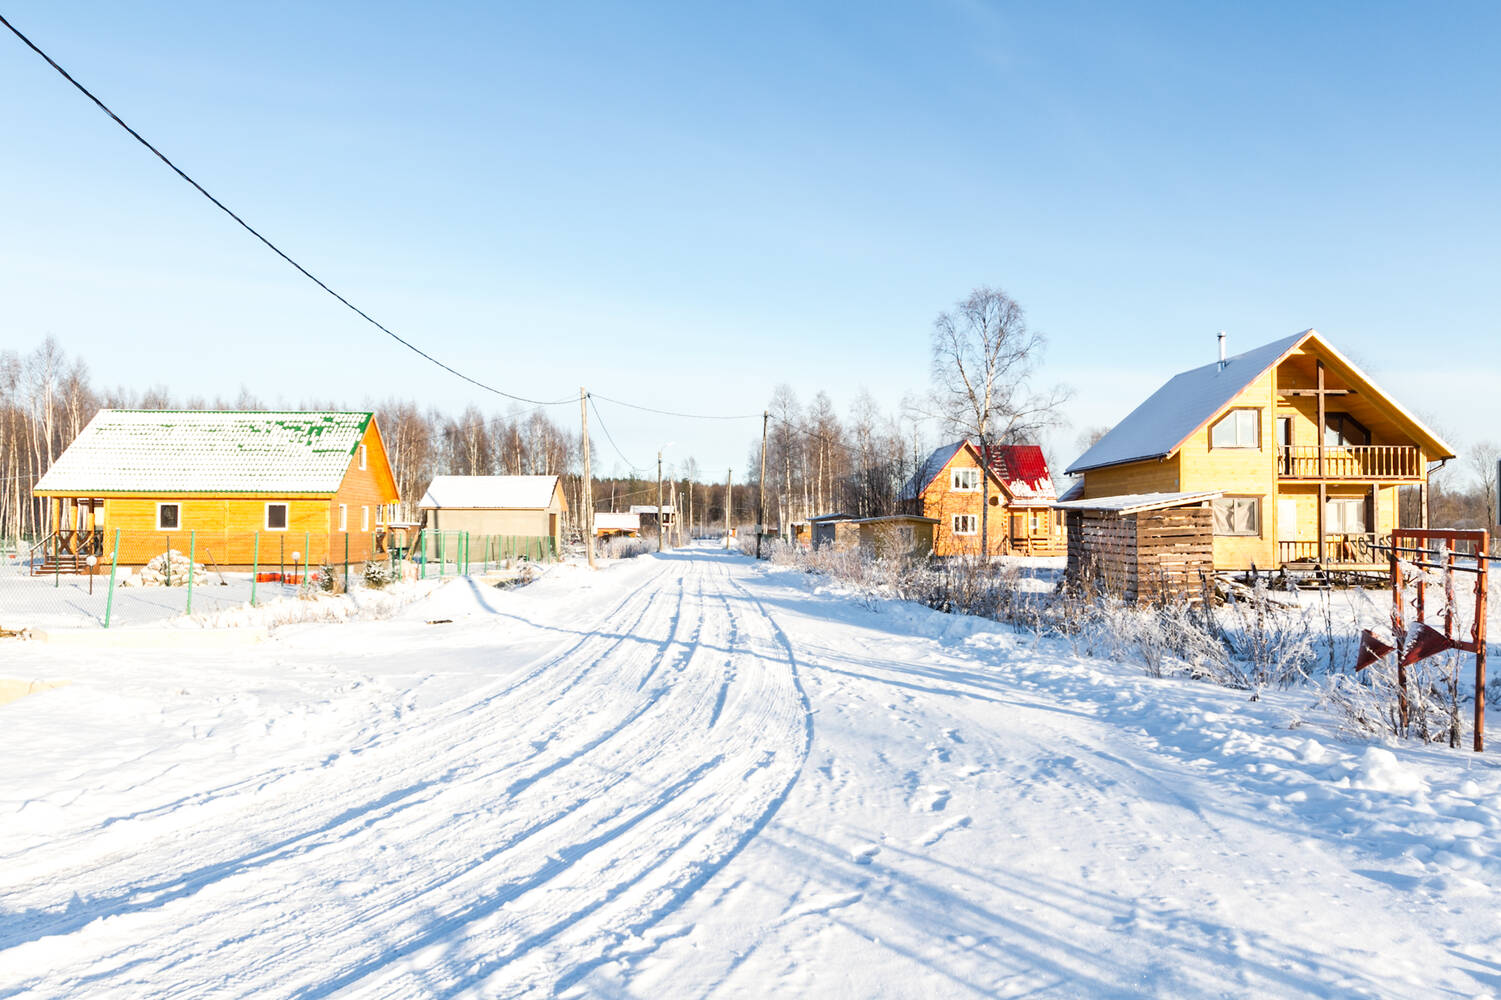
column 692, row 775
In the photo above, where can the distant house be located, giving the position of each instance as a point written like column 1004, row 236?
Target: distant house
column 511, row 506
column 651, row 516
column 309, row 483
column 1306, row 453
column 948, row 487
column 608, row 524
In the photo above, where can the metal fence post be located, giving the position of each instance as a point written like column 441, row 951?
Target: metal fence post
column 167, row 561
column 255, row 565
column 442, row 552
column 307, row 553
column 192, row 553
column 114, row 560
column 57, row 563
column 346, row 562
column 422, row 549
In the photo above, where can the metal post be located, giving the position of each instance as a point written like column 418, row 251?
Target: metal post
column 442, row 553
column 255, row 565
column 167, row 559
column 307, row 553
column 1399, row 636
column 281, row 568
column 192, row 553
column 1481, row 562
column 346, row 562
column 114, row 560
column 57, row 563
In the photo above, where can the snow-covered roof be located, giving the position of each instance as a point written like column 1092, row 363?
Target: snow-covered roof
column 1132, row 503
column 616, row 521
column 925, row 473
column 1158, row 426
column 651, row 508
column 489, row 493
column 1023, row 470
column 208, row 451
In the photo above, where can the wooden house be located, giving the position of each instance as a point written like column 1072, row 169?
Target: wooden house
column 1307, row 453
column 510, row 506
column 608, row 524
column 947, row 486
column 836, row 531
column 235, row 486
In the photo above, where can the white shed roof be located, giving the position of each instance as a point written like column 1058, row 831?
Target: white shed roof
column 605, row 520
column 489, row 493
column 208, row 451
column 1132, row 503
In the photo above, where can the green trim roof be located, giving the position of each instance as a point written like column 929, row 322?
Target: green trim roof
column 208, row 451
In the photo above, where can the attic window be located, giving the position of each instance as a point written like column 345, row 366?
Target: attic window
column 1237, row 429
column 965, row 480
column 362, row 457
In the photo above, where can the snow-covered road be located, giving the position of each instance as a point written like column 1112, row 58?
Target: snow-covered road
column 688, row 775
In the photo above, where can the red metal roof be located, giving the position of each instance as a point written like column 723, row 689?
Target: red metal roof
column 1022, row 469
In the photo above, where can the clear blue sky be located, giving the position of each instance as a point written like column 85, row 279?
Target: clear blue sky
column 685, row 205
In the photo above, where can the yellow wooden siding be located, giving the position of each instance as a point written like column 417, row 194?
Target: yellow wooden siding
column 1148, row 476
column 365, row 488
column 941, row 502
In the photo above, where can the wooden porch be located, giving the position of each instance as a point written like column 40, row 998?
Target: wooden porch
column 1360, row 552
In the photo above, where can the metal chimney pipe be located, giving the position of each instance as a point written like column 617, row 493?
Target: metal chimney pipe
column 1222, row 349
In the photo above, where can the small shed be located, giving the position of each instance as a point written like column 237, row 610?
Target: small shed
column 897, row 536
column 836, row 530
column 514, row 506
column 1143, row 546
column 610, row 523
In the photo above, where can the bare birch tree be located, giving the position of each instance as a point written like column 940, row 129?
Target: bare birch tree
column 984, row 360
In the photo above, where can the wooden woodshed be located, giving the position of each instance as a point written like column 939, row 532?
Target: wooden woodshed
column 1143, row 547
column 897, row 536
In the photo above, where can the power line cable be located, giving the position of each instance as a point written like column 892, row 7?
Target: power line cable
column 272, row 246
column 611, row 438
column 675, row 413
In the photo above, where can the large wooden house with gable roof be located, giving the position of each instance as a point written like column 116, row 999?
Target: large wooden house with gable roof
column 947, row 486
column 305, row 482
column 1306, row 453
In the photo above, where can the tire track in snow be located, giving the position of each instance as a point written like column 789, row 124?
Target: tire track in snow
column 647, row 859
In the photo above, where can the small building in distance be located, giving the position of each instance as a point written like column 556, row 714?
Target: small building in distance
column 652, row 519
column 498, row 506
column 897, row 536
column 948, row 487
column 836, row 531
column 608, row 524
column 214, row 480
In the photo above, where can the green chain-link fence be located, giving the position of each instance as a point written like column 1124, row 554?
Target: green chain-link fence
column 109, row 577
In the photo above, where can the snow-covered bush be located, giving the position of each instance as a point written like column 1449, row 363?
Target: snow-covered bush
column 1369, row 703
column 623, row 547
column 1270, row 641
column 378, row 574
column 324, row 579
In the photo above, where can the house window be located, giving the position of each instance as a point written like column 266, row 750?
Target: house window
column 362, row 456
column 966, row 524
column 1237, row 429
column 168, row 516
column 364, row 518
column 966, row 480
column 1237, row 516
column 380, row 514
column 1343, row 431
column 276, row 517
column 1345, row 516
column 1036, row 521
column 343, row 517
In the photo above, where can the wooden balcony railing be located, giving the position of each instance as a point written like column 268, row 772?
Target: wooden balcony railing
column 1343, row 549
column 1372, row 461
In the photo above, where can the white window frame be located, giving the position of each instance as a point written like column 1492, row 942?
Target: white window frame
column 380, row 514
column 1336, row 510
column 286, row 520
column 1235, row 415
column 343, row 517
column 365, row 518
column 168, row 503
column 1255, row 505
column 957, row 523
column 362, row 458
column 969, row 475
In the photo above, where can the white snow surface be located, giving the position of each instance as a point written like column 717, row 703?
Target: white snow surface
column 692, row 775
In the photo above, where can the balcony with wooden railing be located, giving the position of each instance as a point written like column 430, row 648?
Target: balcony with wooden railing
column 1340, row 550
column 1350, row 462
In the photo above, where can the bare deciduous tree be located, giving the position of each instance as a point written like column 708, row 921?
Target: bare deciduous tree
column 984, row 360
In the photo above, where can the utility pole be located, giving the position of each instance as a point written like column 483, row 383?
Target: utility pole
column 729, row 496
column 659, row 500
column 672, row 501
column 588, row 497
column 761, row 485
